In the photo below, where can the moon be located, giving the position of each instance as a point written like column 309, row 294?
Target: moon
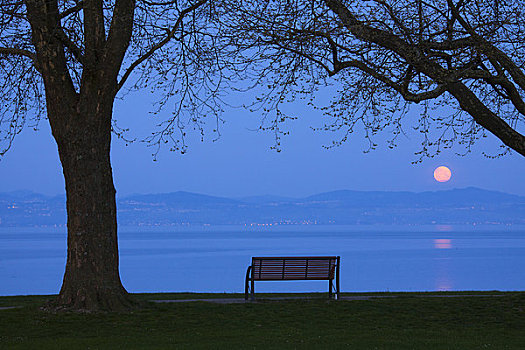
column 442, row 174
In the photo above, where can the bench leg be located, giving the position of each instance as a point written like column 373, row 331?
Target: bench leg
column 337, row 287
column 337, row 271
column 252, row 295
column 330, row 286
column 247, row 283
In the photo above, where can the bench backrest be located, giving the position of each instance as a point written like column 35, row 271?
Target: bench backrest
column 294, row 268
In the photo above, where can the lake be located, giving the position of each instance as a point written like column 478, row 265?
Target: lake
column 214, row 259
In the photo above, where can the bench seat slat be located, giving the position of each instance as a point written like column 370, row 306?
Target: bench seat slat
column 293, row 268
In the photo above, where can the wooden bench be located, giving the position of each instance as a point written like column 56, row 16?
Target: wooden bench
column 293, row 268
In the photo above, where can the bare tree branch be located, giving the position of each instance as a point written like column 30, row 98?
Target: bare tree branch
column 18, row 52
column 75, row 50
column 400, row 88
column 488, row 49
column 77, row 8
column 160, row 44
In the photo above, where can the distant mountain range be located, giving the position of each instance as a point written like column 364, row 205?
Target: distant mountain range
column 458, row 206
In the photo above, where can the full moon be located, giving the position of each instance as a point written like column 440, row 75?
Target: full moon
column 442, row 174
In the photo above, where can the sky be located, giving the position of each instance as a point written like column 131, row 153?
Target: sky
column 242, row 163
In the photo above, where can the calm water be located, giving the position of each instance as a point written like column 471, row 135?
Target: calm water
column 215, row 260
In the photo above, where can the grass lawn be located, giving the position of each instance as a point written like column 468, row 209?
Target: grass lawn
column 405, row 322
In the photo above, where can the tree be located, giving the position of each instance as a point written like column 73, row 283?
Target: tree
column 66, row 60
column 465, row 58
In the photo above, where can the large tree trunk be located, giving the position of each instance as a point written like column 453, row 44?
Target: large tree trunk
column 91, row 280
column 80, row 119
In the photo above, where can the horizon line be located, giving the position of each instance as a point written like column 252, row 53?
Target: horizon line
column 237, row 197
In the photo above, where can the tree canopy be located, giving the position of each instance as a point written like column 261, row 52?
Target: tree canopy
column 382, row 55
column 461, row 61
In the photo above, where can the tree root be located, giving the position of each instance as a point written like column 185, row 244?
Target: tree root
column 92, row 301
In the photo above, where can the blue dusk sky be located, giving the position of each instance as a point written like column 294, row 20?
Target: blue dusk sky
column 241, row 163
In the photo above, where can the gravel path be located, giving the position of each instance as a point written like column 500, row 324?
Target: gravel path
column 346, row 298
column 8, row 307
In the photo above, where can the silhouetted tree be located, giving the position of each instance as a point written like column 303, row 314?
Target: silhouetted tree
column 66, row 60
column 462, row 61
